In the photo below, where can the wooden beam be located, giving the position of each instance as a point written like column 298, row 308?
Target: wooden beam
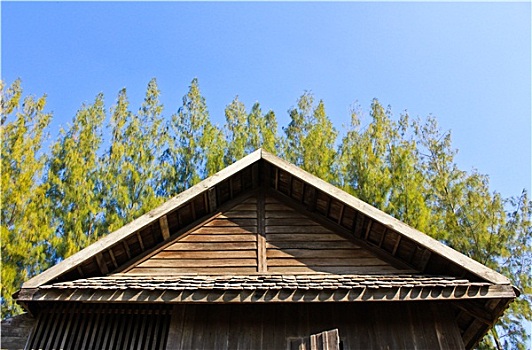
column 101, row 264
column 139, row 238
column 80, row 271
column 383, row 236
column 163, row 222
column 397, row 242
column 113, row 259
column 211, row 195
column 368, row 229
column 262, row 262
column 341, row 215
column 126, row 249
column 477, row 312
column 359, row 294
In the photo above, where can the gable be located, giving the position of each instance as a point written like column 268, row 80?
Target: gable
column 261, row 235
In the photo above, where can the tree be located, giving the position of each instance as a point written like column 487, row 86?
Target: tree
column 197, row 147
column 72, row 177
column 246, row 132
column 25, row 228
column 310, row 139
column 132, row 169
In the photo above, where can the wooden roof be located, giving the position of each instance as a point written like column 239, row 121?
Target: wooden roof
column 264, row 230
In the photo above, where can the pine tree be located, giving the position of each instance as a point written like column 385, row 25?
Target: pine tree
column 310, row 139
column 197, row 147
column 72, row 177
column 25, row 226
column 132, row 168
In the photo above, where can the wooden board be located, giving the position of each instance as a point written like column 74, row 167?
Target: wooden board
column 262, row 234
column 278, row 326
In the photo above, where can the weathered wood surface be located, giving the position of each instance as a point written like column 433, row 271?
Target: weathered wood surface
column 101, row 327
column 227, row 243
column 275, row 326
column 262, row 234
column 296, row 243
column 15, row 331
column 283, row 182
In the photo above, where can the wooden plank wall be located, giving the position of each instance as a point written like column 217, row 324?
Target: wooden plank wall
column 226, row 244
column 262, row 234
column 275, row 326
column 296, row 243
column 101, row 326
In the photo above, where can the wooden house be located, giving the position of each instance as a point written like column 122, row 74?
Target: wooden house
column 263, row 255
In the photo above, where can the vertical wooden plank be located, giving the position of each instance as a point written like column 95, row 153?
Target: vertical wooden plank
column 139, row 335
column 101, row 263
column 113, row 259
column 80, row 271
column 396, row 246
column 255, row 175
column 51, row 327
column 368, row 229
column 139, row 239
column 99, row 327
column 262, row 263
column 126, row 248
column 163, row 222
column 111, row 322
column 211, row 194
column 175, row 332
column 383, row 236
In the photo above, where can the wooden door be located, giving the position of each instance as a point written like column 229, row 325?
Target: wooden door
column 327, row 340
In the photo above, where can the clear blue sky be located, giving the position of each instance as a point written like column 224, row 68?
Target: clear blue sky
column 468, row 64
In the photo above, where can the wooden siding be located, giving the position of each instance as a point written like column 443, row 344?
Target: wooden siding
column 263, row 235
column 274, row 326
column 101, row 326
column 296, row 243
column 224, row 244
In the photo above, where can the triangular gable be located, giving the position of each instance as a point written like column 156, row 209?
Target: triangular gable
column 329, row 206
column 262, row 235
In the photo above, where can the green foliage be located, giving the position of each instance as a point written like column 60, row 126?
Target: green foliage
column 25, row 229
column 197, row 147
column 132, row 171
column 310, row 139
column 71, row 181
column 94, row 180
column 247, row 132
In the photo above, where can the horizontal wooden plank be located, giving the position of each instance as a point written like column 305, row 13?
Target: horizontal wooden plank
column 290, row 222
column 279, row 214
column 225, row 230
column 250, row 200
column 333, row 269
column 278, row 206
column 206, row 254
column 186, row 270
column 238, row 214
column 245, row 207
column 311, row 245
column 326, row 262
column 231, row 222
column 297, row 229
column 180, row 246
column 324, row 253
column 220, row 238
column 197, row 262
column 303, row 237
